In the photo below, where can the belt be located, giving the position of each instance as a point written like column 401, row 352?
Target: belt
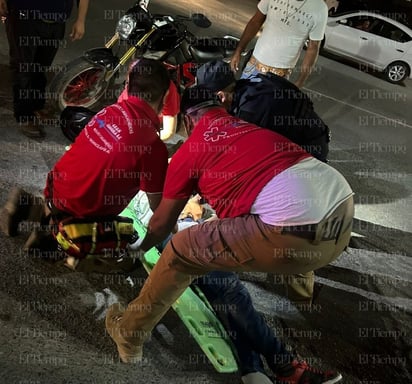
column 282, row 72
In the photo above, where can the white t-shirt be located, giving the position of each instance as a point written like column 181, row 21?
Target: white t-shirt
column 289, row 23
column 140, row 204
column 303, row 194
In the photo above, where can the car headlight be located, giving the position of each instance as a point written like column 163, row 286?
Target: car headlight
column 125, row 26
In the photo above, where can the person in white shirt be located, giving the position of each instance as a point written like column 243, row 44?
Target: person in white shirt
column 288, row 25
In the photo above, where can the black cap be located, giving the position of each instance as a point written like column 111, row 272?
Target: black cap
column 215, row 75
column 197, row 97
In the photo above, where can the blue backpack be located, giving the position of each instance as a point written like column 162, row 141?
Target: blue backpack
column 273, row 102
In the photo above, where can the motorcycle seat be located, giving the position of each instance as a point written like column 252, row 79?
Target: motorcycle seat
column 206, row 49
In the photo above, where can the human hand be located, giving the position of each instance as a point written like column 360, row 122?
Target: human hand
column 134, row 250
column 144, row 4
column 77, row 30
column 135, row 246
column 234, row 62
column 299, row 83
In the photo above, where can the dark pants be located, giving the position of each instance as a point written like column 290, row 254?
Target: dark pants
column 33, row 45
column 246, row 327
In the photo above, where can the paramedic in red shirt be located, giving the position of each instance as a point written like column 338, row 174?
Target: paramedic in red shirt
column 280, row 210
column 117, row 154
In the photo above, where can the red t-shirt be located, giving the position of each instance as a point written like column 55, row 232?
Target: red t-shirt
column 117, row 154
column 228, row 161
column 171, row 107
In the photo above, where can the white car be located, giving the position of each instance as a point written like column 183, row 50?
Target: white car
column 373, row 40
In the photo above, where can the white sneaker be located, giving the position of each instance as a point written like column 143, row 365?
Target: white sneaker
column 256, row 378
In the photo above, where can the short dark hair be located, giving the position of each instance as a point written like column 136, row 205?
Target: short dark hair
column 196, row 97
column 148, row 80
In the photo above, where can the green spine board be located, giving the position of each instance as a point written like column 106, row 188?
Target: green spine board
column 196, row 313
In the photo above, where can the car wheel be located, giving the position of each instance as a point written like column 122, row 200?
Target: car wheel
column 396, row 72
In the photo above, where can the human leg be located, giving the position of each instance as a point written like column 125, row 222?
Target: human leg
column 21, row 206
column 12, row 44
column 247, row 328
column 299, row 287
column 242, row 243
column 220, row 288
column 230, row 299
column 49, row 40
column 30, row 42
column 129, row 326
column 20, row 33
column 20, row 38
column 252, row 337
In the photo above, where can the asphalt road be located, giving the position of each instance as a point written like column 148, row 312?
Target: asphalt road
column 51, row 319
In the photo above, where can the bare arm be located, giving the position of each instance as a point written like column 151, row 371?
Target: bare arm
column 309, row 60
column 154, row 200
column 169, row 127
column 78, row 26
column 162, row 222
column 248, row 34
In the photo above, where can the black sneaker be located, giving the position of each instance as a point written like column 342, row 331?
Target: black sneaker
column 299, row 372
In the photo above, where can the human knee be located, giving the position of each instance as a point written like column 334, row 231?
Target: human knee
column 174, row 257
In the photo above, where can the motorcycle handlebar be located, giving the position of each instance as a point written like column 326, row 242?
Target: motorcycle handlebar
column 198, row 19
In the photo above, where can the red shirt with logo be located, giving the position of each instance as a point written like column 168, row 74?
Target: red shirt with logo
column 228, row 161
column 117, row 154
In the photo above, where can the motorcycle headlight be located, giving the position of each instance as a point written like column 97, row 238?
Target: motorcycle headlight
column 125, row 26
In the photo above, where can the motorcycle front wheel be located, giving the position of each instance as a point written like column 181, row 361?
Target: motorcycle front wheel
column 81, row 84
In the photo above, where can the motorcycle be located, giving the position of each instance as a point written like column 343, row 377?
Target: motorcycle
column 162, row 37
